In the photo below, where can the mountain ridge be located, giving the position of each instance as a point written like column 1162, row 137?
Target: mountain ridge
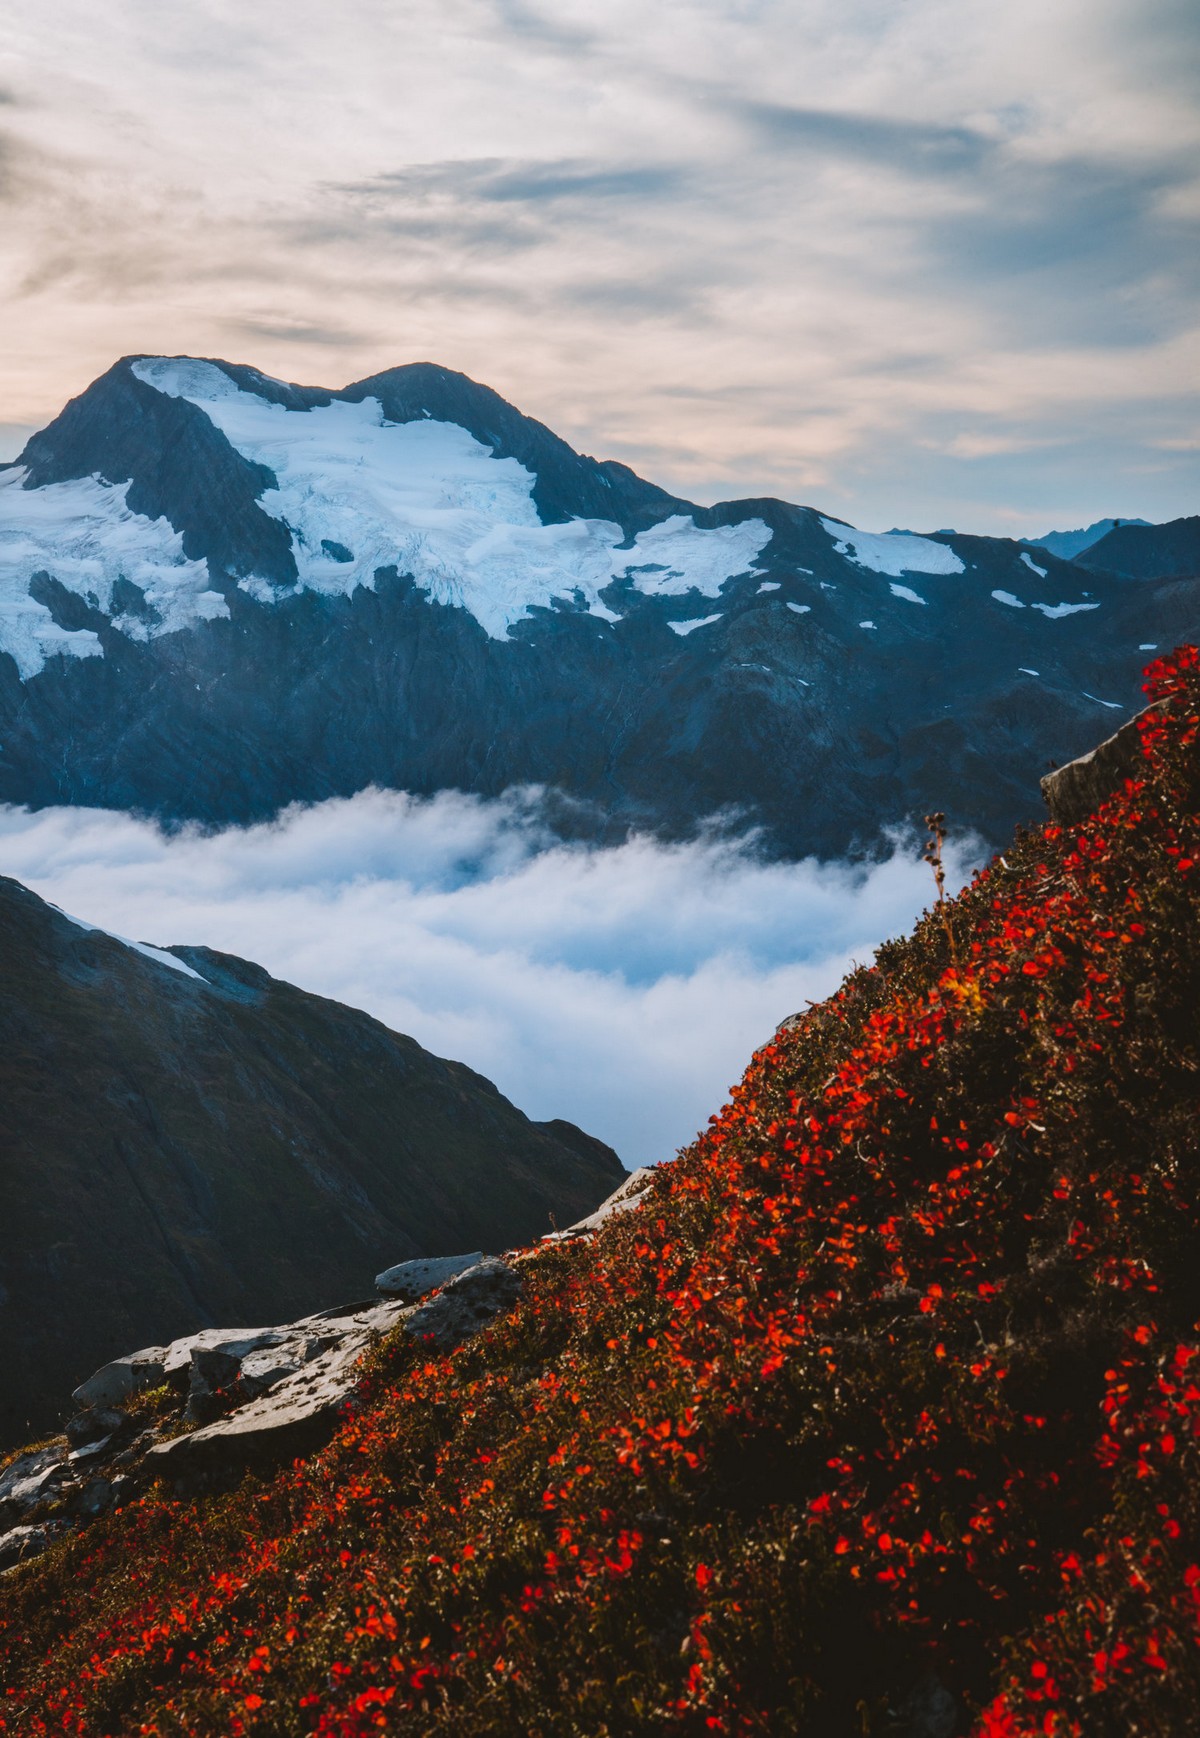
column 340, row 589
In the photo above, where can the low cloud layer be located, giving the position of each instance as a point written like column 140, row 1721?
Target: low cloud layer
column 924, row 264
column 622, row 987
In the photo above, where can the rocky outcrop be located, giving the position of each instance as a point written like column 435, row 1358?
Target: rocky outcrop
column 1075, row 791
column 185, row 1147
column 227, row 1400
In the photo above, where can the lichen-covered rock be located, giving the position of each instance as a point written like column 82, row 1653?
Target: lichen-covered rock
column 1075, row 791
column 413, row 1280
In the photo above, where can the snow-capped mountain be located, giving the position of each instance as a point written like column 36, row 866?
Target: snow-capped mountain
column 220, row 593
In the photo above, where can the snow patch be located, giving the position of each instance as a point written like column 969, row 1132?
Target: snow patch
column 1153, row 648
column 143, row 947
column 866, row 624
column 801, row 609
column 769, row 585
column 430, row 500
column 1113, row 705
column 690, row 627
column 892, row 552
column 1032, row 565
column 1057, row 610
column 83, row 534
column 907, row 594
column 1007, row 597
column 1022, row 671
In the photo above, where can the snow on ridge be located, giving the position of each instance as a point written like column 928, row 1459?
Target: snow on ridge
column 430, row 500
column 893, row 553
column 84, row 534
column 1057, row 610
column 160, row 955
column 690, row 627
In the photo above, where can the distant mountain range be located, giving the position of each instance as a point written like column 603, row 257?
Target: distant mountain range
column 186, row 1142
column 220, row 593
column 1069, row 544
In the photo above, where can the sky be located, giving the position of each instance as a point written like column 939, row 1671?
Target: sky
column 623, row 987
column 917, row 262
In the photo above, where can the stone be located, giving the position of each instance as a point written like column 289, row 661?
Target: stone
column 234, row 1342
column 96, row 1423
column 19, row 1544
column 123, row 1378
column 212, row 1367
column 928, row 1711
column 413, row 1280
column 466, row 1304
column 29, row 1479
column 621, row 1200
column 293, row 1417
column 1075, row 791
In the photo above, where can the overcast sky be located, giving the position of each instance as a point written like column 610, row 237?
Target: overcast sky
column 921, row 261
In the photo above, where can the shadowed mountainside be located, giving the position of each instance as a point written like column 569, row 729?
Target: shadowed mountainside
column 179, row 1151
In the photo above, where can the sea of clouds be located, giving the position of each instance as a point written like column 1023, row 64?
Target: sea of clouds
column 622, row 986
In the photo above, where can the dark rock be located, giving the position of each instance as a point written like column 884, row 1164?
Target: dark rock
column 1075, row 791
column 928, row 1711
column 411, row 1280
column 97, row 1423
column 213, row 1367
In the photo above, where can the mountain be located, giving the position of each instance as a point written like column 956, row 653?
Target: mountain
column 186, row 1141
column 220, row 593
column 1070, row 544
column 877, row 1412
column 1170, row 551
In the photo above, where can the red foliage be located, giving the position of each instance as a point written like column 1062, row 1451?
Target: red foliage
column 896, row 1371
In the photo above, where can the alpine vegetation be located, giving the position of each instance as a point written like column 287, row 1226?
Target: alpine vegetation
column 877, row 1411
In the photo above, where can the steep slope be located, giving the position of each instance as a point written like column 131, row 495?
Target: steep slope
column 411, row 584
column 1170, row 551
column 877, row 1414
column 186, row 1141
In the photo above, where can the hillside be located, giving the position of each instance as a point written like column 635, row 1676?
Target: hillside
column 186, row 1141
column 877, row 1415
column 409, row 583
column 1170, row 551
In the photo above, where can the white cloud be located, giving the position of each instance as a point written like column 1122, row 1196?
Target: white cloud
column 624, row 987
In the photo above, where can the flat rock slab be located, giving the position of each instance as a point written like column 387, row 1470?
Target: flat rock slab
column 290, row 1418
column 413, row 1280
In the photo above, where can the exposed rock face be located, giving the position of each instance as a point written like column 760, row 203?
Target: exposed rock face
column 243, row 1398
column 826, row 685
column 186, row 1147
column 1075, row 791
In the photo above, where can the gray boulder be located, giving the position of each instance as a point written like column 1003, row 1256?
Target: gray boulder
column 123, row 1378
column 19, row 1544
column 413, row 1280
column 29, row 1480
column 466, row 1304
